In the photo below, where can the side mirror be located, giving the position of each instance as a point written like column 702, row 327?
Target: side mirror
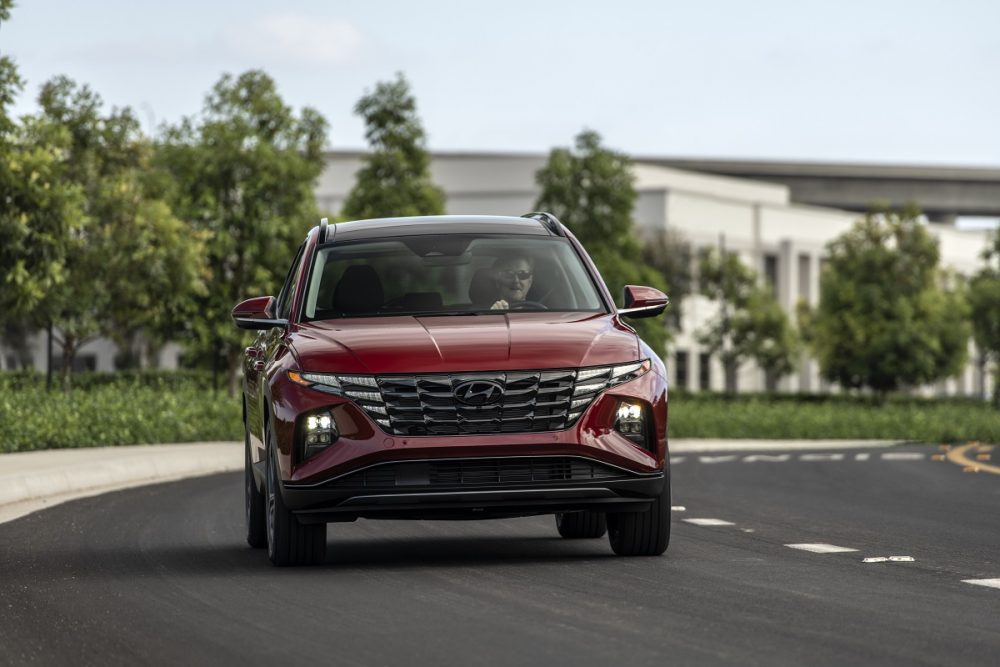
column 257, row 313
column 643, row 301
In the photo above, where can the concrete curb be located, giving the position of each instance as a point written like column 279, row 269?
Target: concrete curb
column 30, row 481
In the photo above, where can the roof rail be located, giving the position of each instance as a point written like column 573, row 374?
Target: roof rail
column 323, row 226
column 548, row 220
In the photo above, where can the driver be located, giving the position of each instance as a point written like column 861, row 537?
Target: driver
column 513, row 277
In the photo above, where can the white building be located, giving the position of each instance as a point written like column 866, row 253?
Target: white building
column 782, row 240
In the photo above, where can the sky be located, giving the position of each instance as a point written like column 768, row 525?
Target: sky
column 876, row 81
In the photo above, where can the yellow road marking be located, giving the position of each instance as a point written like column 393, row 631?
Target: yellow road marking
column 985, row 448
column 938, row 457
column 957, row 456
column 982, row 457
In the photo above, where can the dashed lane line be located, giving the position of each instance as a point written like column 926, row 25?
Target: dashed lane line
column 709, row 522
column 992, row 583
column 821, row 548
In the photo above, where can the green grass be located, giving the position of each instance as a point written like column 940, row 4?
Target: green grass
column 817, row 417
column 154, row 407
column 114, row 410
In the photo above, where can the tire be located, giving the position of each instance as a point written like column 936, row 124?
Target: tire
column 642, row 533
column 581, row 525
column 256, row 503
column 288, row 541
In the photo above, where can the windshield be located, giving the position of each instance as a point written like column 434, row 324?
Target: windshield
column 448, row 275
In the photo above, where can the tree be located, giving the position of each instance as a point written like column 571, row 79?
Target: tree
column 243, row 173
column 750, row 323
column 984, row 304
column 887, row 318
column 129, row 263
column 394, row 179
column 38, row 209
column 591, row 190
column 668, row 252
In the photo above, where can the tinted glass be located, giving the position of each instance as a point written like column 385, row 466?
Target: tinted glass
column 449, row 274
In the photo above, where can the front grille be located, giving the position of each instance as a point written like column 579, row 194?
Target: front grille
column 496, row 473
column 527, row 401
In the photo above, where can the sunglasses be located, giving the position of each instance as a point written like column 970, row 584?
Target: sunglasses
column 510, row 275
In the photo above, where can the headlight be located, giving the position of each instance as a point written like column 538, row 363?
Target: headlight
column 319, row 431
column 592, row 381
column 632, row 423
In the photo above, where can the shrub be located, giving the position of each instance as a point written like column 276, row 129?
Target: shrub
column 114, row 409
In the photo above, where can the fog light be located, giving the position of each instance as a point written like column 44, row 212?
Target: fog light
column 631, row 423
column 319, row 432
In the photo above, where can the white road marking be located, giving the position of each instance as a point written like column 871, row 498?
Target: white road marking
column 902, row 456
column 717, row 459
column 676, row 459
column 821, row 457
column 875, row 559
column 888, row 559
column 707, row 446
column 864, row 456
column 770, row 458
column 992, row 583
column 678, row 508
column 820, row 548
column 747, row 530
column 709, row 522
column 902, row 559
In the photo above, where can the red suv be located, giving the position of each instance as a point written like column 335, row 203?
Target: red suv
column 454, row 367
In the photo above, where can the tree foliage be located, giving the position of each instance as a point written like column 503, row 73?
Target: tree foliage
column 129, row 264
column 38, row 209
column 591, row 190
column 394, row 179
column 669, row 253
column 243, row 173
column 887, row 318
column 984, row 305
column 750, row 323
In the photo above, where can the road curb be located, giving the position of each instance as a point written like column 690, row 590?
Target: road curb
column 30, row 481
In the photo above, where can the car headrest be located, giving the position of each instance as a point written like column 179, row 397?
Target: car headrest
column 359, row 291
column 483, row 288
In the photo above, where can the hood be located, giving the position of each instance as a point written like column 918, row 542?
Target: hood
column 376, row 345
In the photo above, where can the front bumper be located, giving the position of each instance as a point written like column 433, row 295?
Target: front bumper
column 472, row 488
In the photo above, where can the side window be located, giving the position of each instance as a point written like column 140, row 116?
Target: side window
column 288, row 291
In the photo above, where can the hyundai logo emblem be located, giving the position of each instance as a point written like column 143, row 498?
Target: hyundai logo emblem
column 479, row 392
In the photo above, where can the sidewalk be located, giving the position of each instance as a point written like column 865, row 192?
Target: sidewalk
column 30, row 481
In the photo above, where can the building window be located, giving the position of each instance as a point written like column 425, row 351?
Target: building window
column 771, row 272
column 705, row 371
column 681, row 369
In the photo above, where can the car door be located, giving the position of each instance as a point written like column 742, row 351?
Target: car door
column 262, row 352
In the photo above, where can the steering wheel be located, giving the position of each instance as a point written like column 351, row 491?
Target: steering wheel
column 535, row 305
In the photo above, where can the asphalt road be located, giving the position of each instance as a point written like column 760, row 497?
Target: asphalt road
column 160, row 575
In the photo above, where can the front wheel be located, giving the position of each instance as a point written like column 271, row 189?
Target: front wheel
column 642, row 533
column 288, row 541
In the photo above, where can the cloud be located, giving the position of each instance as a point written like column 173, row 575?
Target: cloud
column 295, row 39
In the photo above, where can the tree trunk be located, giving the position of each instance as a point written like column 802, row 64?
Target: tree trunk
column 69, row 347
column 730, row 367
